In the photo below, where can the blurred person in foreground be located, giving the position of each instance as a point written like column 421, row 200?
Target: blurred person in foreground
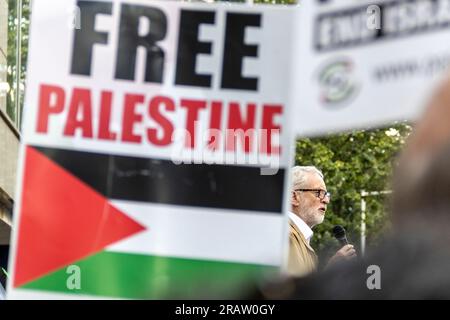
column 414, row 258
column 309, row 200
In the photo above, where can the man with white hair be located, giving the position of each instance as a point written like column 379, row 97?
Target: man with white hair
column 309, row 200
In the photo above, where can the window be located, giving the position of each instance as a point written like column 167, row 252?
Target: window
column 3, row 53
column 12, row 82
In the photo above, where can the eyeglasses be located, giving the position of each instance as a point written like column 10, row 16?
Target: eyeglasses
column 320, row 193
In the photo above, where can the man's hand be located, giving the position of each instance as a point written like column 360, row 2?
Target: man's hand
column 347, row 252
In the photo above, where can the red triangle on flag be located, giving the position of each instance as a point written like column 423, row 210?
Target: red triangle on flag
column 62, row 220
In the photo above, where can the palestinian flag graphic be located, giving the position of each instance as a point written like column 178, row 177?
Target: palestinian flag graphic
column 144, row 228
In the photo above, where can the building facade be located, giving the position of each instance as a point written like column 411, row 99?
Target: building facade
column 9, row 142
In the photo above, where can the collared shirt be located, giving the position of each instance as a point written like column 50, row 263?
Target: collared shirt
column 302, row 226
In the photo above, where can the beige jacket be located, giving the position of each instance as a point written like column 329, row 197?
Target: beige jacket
column 302, row 258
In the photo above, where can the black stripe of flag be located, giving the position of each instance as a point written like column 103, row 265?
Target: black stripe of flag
column 162, row 181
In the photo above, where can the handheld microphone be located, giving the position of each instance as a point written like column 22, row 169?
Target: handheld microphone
column 339, row 234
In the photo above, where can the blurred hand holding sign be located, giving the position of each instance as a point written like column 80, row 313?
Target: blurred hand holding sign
column 367, row 63
column 144, row 137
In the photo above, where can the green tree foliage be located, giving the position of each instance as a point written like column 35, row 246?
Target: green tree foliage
column 12, row 50
column 353, row 162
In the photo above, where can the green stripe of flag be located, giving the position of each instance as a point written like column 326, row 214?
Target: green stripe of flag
column 124, row 275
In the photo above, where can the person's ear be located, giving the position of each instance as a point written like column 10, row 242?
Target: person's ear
column 295, row 199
